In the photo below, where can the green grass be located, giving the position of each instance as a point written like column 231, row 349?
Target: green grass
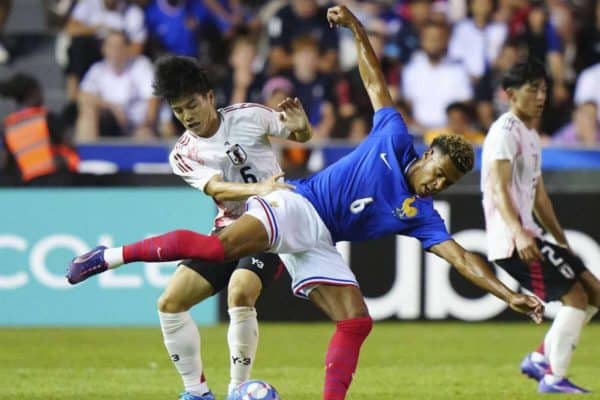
column 398, row 361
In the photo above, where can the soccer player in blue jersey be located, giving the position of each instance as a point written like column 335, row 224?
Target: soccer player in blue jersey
column 383, row 187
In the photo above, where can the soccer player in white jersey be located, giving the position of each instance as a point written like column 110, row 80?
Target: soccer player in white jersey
column 513, row 191
column 226, row 154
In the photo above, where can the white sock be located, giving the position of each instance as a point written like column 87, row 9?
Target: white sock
column 590, row 311
column 538, row 357
column 242, row 337
column 114, row 257
column 182, row 341
column 562, row 339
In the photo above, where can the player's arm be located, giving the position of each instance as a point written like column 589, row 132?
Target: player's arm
column 544, row 211
column 229, row 191
column 368, row 64
column 475, row 269
column 501, row 176
column 294, row 119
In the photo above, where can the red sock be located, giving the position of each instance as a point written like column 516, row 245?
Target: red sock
column 540, row 348
column 176, row 245
column 342, row 356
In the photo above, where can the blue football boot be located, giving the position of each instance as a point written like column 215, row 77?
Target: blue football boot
column 562, row 386
column 534, row 370
column 188, row 396
column 86, row 265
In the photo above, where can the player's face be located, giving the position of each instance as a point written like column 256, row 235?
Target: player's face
column 436, row 173
column 197, row 113
column 528, row 100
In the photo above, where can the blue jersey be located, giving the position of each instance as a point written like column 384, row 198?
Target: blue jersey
column 366, row 195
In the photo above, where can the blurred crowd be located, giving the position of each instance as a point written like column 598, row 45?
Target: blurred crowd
column 443, row 61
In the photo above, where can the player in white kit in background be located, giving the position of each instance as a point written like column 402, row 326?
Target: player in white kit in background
column 513, row 191
column 226, row 154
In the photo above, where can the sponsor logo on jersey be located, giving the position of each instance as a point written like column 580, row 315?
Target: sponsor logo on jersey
column 237, row 155
column 407, row 210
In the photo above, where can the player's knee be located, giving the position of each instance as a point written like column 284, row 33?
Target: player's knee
column 239, row 295
column 167, row 303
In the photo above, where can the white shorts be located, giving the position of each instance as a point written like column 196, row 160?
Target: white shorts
column 302, row 240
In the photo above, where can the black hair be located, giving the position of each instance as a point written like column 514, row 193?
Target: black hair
column 22, row 88
column 177, row 76
column 460, row 107
column 523, row 73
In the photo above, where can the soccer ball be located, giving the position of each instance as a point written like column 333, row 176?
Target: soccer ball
column 254, row 390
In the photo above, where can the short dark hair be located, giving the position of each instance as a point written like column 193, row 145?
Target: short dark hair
column 460, row 151
column 460, row 107
column 23, row 88
column 524, row 72
column 178, row 76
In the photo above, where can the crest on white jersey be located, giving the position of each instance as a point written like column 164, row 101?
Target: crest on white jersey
column 237, row 155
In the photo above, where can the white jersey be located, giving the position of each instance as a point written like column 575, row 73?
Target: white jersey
column 509, row 139
column 239, row 151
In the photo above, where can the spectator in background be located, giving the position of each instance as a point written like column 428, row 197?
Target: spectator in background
column 293, row 156
column 512, row 51
column 89, row 24
column 586, row 117
column 476, row 42
column 301, row 18
column 227, row 15
column 173, row 26
column 430, row 82
column 313, row 88
column 36, row 148
column 460, row 122
column 243, row 83
column 4, row 11
column 544, row 44
column 415, row 16
column 116, row 95
column 588, row 51
column 583, row 130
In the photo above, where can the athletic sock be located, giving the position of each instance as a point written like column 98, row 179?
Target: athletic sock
column 182, row 341
column 562, row 338
column 114, row 257
column 590, row 311
column 242, row 337
column 175, row 245
column 342, row 356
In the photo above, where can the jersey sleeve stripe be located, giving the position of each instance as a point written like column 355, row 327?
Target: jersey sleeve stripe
column 182, row 164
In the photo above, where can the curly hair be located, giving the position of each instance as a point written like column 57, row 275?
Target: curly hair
column 460, row 151
column 177, row 76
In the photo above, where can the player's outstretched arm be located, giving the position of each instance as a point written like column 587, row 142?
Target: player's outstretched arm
column 368, row 64
column 294, row 118
column 474, row 268
column 230, row 191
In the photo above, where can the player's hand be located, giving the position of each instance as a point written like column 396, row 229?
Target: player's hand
column 527, row 247
column 265, row 187
column 528, row 305
column 340, row 16
column 293, row 116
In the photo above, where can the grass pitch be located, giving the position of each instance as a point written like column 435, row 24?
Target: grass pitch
column 398, row 361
